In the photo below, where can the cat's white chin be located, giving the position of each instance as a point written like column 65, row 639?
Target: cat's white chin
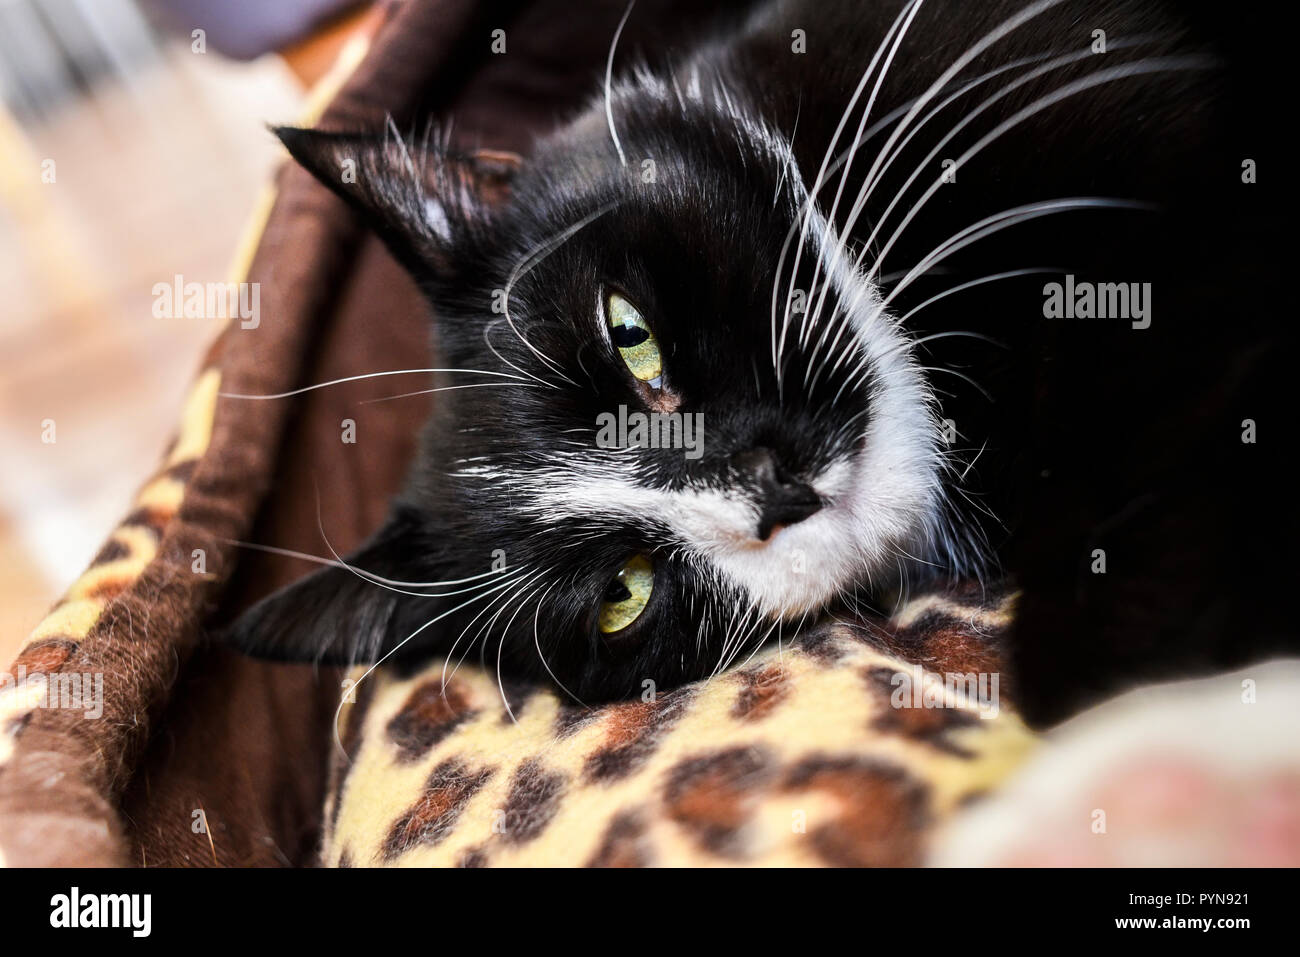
column 798, row 570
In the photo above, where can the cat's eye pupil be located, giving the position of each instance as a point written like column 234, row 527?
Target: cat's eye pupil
column 617, row 591
column 626, row 595
column 627, row 336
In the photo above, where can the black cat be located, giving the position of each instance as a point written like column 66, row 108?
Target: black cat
column 851, row 296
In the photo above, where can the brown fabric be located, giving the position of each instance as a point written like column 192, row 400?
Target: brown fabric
column 243, row 744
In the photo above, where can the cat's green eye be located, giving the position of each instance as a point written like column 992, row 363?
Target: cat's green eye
column 626, row 595
column 634, row 341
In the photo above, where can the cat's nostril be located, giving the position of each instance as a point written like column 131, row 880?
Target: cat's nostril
column 786, row 505
column 782, row 499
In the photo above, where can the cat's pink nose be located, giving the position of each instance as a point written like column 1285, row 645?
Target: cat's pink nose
column 782, row 499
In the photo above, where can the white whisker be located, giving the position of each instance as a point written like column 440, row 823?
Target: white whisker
column 453, row 388
column 609, row 75
column 501, row 647
column 504, row 600
column 993, row 36
column 1096, row 78
column 357, row 378
column 397, row 647
column 537, row 643
column 810, row 318
column 870, row 183
column 970, row 285
column 778, row 343
column 1002, row 220
column 527, row 263
column 374, row 579
column 307, row 557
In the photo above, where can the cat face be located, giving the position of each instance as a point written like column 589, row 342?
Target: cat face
column 697, row 425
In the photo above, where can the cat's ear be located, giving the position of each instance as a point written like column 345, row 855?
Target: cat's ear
column 423, row 201
column 338, row 615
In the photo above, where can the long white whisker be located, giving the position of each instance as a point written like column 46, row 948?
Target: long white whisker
column 528, row 263
column 488, row 625
column 356, row 378
column 972, row 234
column 305, row 556
column 1006, row 27
column 1098, row 77
column 453, row 388
column 910, row 344
column 761, row 642
column 961, row 375
column 374, row 579
column 779, row 343
column 785, row 167
column 969, row 285
column 397, row 647
column 742, row 640
column 993, row 36
column 842, row 235
column 487, row 341
column 609, row 75
column 504, row 601
column 999, row 221
column 1020, row 81
column 869, row 185
column 501, row 647
column 537, row 643
column 844, row 156
column 734, row 635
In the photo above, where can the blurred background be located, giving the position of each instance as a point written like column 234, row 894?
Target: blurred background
column 133, row 147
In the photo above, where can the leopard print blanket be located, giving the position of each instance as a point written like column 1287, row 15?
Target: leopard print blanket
column 842, row 749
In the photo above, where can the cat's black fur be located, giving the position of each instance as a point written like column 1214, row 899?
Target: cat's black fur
column 1079, row 434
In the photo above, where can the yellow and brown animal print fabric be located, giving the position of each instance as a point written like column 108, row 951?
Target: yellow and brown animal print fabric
column 817, row 754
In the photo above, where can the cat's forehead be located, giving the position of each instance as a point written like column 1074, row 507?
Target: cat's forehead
column 690, row 148
column 703, row 252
